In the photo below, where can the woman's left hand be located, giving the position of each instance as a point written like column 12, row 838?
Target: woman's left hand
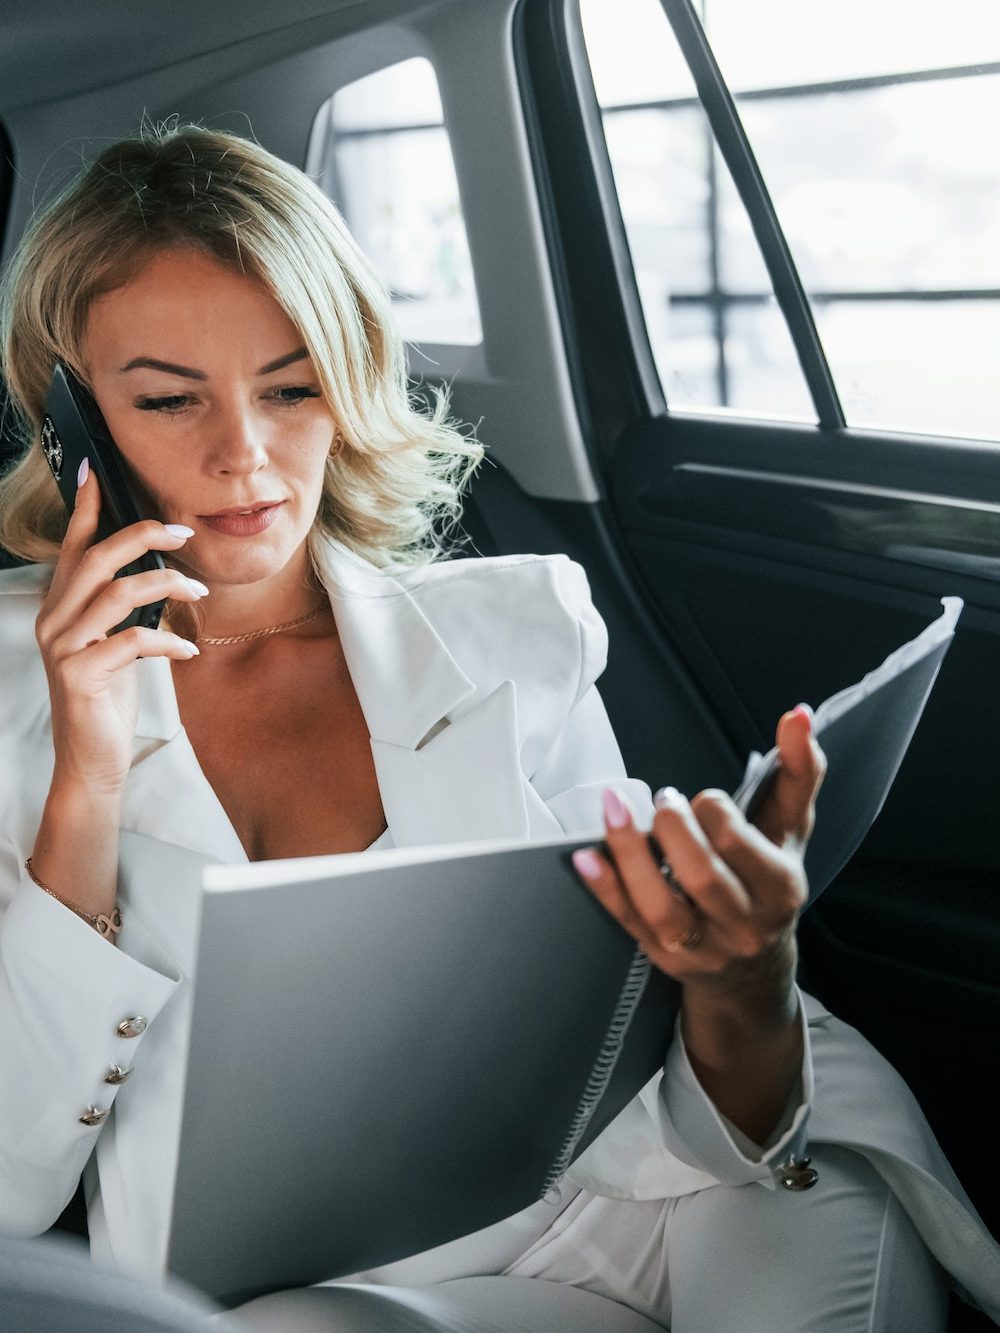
column 713, row 900
column 719, row 905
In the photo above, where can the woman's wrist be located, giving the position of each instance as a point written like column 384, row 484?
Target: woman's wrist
column 107, row 924
column 75, row 798
column 75, row 856
column 758, row 1003
column 744, row 1043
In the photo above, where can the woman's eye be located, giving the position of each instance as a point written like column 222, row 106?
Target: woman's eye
column 171, row 402
column 292, row 394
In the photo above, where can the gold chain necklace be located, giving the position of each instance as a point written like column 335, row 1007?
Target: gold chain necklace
column 262, row 633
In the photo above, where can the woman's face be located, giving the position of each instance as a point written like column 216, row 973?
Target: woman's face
column 214, row 403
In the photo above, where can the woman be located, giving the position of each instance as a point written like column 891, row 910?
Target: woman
column 243, row 356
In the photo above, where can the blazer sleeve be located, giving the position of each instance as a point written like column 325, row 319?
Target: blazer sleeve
column 72, row 1007
column 64, row 990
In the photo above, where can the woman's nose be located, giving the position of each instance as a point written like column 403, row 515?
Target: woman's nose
column 240, row 444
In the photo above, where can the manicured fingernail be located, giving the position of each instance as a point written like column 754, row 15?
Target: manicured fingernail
column 197, row 587
column 192, row 648
column 615, row 812
column 666, row 797
column 587, row 862
column 83, row 473
column 179, row 530
column 805, row 711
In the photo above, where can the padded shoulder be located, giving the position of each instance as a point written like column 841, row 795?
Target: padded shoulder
column 516, row 617
column 32, row 580
column 22, row 679
column 21, row 593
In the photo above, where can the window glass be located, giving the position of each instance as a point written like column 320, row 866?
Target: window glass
column 387, row 165
column 632, row 53
column 397, row 97
column 650, row 149
column 929, row 367
column 885, row 188
column 681, row 213
column 771, row 43
column 871, row 123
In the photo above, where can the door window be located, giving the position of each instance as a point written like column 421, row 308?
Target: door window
column 871, row 124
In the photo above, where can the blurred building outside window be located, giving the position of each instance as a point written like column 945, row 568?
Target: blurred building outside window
column 387, row 165
column 872, row 123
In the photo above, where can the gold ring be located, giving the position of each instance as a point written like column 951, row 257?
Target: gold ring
column 690, row 940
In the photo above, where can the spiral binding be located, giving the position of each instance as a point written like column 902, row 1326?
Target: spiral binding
column 607, row 1058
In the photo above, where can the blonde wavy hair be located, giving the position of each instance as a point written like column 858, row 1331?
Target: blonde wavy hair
column 394, row 480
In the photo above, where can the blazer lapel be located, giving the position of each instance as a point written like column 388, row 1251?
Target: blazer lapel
column 462, row 785
column 447, row 763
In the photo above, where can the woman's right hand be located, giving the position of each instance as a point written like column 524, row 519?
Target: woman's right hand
column 92, row 681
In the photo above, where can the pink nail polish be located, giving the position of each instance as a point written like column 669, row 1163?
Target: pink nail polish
column 615, row 813
column 83, row 473
column 587, row 862
column 804, row 711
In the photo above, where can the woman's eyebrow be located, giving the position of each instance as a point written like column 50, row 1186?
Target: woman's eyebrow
column 187, row 372
column 299, row 354
column 151, row 363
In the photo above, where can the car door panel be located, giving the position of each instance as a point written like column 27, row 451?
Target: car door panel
column 783, row 585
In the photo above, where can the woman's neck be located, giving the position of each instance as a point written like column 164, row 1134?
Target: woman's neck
column 234, row 609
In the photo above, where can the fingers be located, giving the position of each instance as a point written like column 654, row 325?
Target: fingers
column 85, row 569
column 92, row 570
column 788, row 810
column 115, row 603
column 87, row 510
column 628, row 881
column 707, row 878
column 87, row 672
column 773, row 876
column 740, row 891
column 601, row 877
column 82, row 527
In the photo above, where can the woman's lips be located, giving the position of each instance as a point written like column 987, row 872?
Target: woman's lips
column 242, row 525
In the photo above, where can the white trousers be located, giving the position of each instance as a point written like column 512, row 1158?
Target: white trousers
column 842, row 1257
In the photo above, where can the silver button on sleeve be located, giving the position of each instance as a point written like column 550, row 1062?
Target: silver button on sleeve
column 132, row 1027
column 116, row 1075
column 94, row 1115
column 796, row 1174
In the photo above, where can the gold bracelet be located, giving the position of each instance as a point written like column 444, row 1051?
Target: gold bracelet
column 107, row 926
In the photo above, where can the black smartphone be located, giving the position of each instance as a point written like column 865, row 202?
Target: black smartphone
column 72, row 430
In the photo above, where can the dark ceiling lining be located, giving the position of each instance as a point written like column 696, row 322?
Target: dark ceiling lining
column 58, row 48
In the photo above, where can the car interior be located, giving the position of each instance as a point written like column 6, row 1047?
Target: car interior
column 714, row 284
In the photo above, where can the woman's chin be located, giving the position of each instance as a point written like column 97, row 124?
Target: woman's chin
column 254, row 563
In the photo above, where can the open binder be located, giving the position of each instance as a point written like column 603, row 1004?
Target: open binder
column 392, row 1049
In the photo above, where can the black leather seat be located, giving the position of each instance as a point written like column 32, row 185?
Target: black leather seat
column 50, row 1286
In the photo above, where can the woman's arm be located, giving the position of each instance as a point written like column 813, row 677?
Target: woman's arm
column 721, row 921
column 66, row 998
column 64, row 995
column 94, row 693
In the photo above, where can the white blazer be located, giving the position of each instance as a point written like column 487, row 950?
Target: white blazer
column 476, row 679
